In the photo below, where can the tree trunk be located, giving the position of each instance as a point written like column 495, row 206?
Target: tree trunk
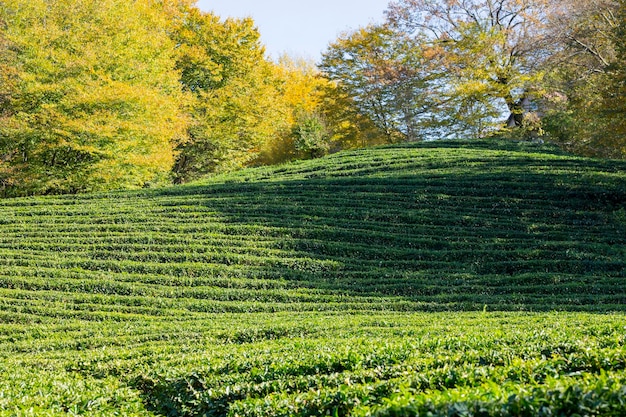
column 517, row 110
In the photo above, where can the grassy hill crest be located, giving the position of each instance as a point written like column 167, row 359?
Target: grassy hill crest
column 466, row 278
column 433, row 226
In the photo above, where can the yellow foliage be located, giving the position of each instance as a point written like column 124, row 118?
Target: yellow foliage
column 96, row 102
column 299, row 92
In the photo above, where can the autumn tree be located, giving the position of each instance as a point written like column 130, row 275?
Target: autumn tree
column 89, row 96
column 444, row 68
column 583, row 107
column 378, row 75
column 613, row 105
column 491, row 51
column 234, row 107
column 304, row 132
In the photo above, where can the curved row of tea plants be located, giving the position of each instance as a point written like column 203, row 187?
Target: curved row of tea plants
column 316, row 364
column 358, row 284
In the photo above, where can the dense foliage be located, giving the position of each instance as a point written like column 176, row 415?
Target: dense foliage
column 383, row 79
column 481, row 278
column 133, row 94
column 586, row 108
column 90, row 99
column 385, row 282
column 233, row 96
column 477, row 68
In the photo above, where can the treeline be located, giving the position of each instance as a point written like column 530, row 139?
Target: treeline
column 125, row 94
column 549, row 69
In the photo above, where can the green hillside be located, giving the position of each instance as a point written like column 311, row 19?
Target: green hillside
column 456, row 278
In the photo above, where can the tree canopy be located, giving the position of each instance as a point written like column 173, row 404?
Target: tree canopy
column 90, row 95
column 523, row 68
column 586, row 111
column 97, row 96
column 383, row 76
column 117, row 94
column 233, row 108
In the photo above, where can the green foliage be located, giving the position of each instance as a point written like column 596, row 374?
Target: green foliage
column 581, row 109
column 304, row 130
column 312, row 137
column 51, row 392
column 372, row 282
column 378, row 76
column 235, row 109
column 485, row 76
column 373, row 363
column 485, row 55
column 456, row 69
column 612, row 140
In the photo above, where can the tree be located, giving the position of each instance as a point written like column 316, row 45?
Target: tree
column 584, row 110
column 311, row 135
column 300, row 93
column 613, row 105
column 234, row 106
column 89, row 98
column 490, row 52
column 378, row 74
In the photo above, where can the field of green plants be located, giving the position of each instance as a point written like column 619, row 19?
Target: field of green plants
column 438, row 279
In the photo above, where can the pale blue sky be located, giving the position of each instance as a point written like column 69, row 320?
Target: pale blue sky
column 297, row 27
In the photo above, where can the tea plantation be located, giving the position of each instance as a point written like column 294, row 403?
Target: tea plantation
column 464, row 278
